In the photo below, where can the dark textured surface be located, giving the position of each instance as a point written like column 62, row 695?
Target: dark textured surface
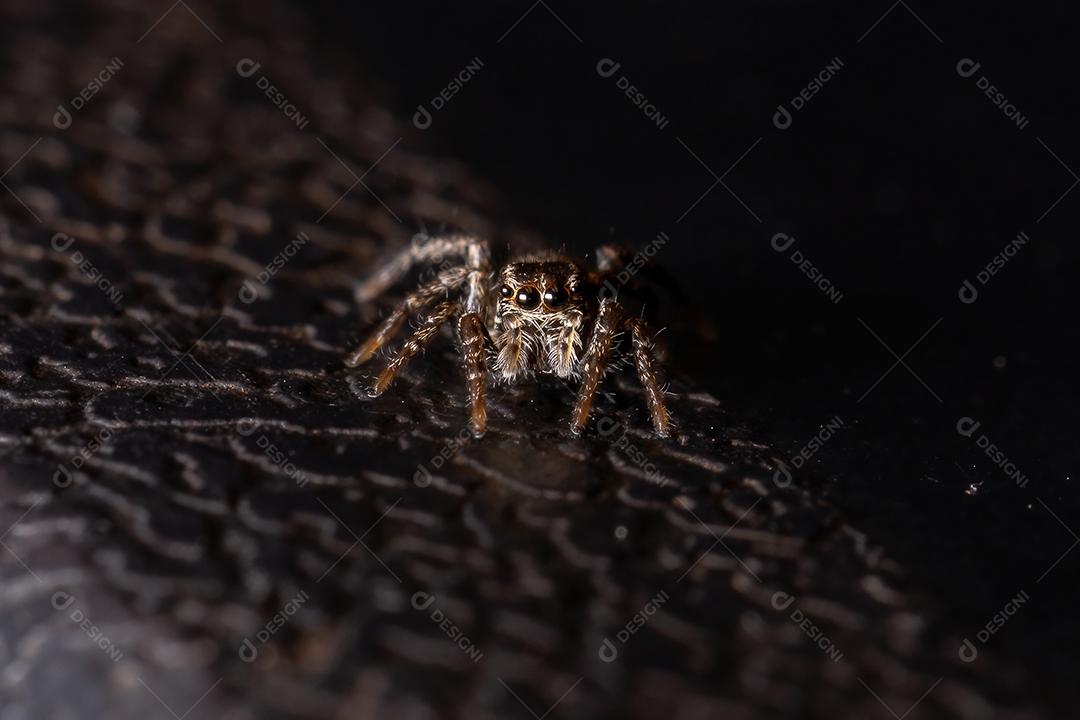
column 183, row 533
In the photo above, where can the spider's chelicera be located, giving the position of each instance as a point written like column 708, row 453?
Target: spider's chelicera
column 541, row 314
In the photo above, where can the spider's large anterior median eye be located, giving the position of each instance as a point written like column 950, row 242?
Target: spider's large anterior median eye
column 528, row 298
column 556, row 297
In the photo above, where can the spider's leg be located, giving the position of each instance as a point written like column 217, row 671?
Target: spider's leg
column 611, row 257
column 419, row 299
column 608, row 323
column 427, row 330
column 477, row 287
column 473, row 354
column 618, row 266
column 473, row 333
column 608, row 260
column 645, row 361
column 432, row 249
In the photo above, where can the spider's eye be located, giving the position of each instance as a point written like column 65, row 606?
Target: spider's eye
column 556, row 297
column 506, row 291
column 528, row 298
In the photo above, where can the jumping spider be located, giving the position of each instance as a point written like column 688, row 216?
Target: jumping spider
column 532, row 320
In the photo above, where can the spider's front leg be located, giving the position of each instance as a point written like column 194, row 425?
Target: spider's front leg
column 645, row 362
column 473, row 277
column 473, row 354
column 446, row 282
column 609, row 322
column 471, row 249
column 595, row 360
column 430, row 325
column 473, row 333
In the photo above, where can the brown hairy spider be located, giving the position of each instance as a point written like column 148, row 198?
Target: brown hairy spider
column 538, row 317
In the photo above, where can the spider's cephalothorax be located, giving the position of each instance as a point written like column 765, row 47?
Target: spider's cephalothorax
column 541, row 315
column 539, row 318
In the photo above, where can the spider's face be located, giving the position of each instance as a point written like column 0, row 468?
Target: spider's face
column 538, row 290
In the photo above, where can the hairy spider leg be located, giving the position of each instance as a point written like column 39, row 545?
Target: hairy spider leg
column 609, row 322
column 467, row 247
column 473, row 354
column 618, row 266
column 478, row 286
column 473, row 334
column 645, row 362
column 595, row 360
column 446, row 282
column 430, row 325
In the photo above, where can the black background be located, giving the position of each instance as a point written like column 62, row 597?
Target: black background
column 899, row 180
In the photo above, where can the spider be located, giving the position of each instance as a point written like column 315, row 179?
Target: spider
column 543, row 315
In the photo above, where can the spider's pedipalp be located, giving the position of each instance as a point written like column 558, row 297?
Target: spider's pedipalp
column 563, row 352
column 446, row 282
column 595, row 360
column 513, row 355
column 430, row 325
